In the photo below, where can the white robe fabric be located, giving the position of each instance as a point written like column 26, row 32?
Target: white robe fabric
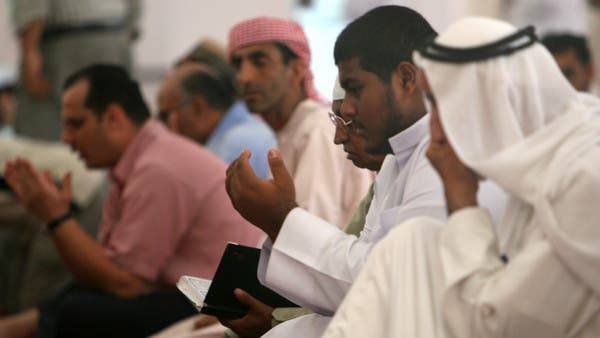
column 313, row 263
column 530, row 132
column 327, row 183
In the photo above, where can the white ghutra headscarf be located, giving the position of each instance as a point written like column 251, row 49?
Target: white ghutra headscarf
column 516, row 120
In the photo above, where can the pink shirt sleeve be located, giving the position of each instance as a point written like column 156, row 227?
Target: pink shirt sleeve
column 156, row 213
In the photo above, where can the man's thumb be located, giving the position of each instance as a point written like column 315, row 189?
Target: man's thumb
column 281, row 175
column 244, row 297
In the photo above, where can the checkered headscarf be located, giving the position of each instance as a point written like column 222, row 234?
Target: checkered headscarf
column 269, row 29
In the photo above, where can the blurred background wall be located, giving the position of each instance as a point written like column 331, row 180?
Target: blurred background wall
column 169, row 28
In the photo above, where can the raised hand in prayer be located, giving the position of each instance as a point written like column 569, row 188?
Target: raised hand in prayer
column 460, row 182
column 256, row 323
column 38, row 191
column 264, row 203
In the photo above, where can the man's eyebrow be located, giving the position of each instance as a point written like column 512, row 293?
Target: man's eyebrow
column 257, row 54
column 73, row 119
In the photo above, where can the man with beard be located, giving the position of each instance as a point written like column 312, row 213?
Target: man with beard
column 526, row 129
column 272, row 61
column 305, row 258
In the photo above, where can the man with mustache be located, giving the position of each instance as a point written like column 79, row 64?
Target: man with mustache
column 384, row 106
column 166, row 214
column 272, row 61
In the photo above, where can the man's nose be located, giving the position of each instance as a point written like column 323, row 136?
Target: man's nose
column 245, row 74
column 341, row 135
column 66, row 137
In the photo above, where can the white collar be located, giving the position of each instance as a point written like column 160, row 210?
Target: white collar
column 404, row 143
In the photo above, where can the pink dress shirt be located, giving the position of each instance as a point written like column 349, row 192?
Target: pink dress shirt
column 168, row 213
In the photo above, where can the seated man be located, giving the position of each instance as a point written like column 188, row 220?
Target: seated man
column 200, row 102
column 271, row 58
column 573, row 56
column 308, row 260
column 37, row 271
column 263, row 317
column 167, row 214
column 538, row 139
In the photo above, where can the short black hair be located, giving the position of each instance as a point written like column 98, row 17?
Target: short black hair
column 382, row 38
column 560, row 43
column 111, row 84
column 287, row 54
column 218, row 90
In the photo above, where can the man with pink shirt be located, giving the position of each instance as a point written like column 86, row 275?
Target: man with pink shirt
column 167, row 214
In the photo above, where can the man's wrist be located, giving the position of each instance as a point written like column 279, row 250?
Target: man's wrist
column 286, row 208
column 56, row 222
column 459, row 196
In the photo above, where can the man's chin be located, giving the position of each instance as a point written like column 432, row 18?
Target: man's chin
column 378, row 149
column 253, row 103
column 94, row 165
column 357, row 163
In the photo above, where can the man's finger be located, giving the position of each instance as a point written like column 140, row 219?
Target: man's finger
column 244, row 171
column 26, row 177
column 13, row 181
column 281, row 176
column 30, row 172
column 234, row 324
column 253, row 303
column 229, row 174
column 66, row 188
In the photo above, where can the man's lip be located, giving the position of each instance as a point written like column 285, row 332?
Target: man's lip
column 350, row 152
column 251, row 93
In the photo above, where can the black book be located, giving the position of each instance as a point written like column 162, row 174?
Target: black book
column 236, row 270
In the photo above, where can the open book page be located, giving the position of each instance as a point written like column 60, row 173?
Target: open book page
column 194, row 289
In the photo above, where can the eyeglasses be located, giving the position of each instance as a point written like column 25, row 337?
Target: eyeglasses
column 339, row 122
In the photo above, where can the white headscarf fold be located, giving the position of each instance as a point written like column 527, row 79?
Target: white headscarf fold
column 517, row 121
column 338, row 91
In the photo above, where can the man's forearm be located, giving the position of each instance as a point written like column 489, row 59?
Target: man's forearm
column 460, row 195
column 87, row 260
column 31, row 36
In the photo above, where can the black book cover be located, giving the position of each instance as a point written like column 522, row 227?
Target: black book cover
column 237, row 270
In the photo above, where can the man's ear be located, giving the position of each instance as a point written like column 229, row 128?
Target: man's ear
column 173, row 122
column 114, row 116
column 591, row 72
column 199, row 104
column 405, row 78
column 298, row 69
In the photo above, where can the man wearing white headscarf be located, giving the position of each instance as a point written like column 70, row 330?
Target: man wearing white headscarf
column 525, row 128
column 308, row 260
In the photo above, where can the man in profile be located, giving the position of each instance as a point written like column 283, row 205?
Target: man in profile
column 200, row 102
column 167, row 214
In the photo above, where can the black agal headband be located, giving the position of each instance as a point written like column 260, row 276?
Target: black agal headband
column 505, row 46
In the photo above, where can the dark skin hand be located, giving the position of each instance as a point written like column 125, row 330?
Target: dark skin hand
column 256, row 323
column 264, row 203
column 460, row 183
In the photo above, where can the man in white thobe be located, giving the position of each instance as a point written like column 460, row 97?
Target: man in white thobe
column 306, row 259
column 528, row 130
